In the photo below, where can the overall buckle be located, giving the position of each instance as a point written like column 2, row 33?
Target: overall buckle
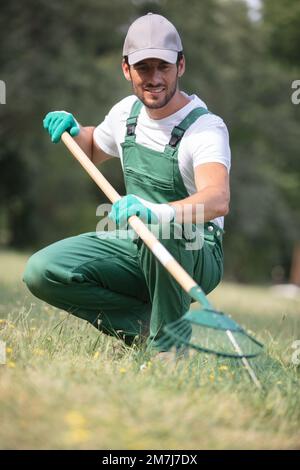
column 131, row 129
column 176, row 136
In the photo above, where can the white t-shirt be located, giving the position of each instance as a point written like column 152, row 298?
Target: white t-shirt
column 206, row 140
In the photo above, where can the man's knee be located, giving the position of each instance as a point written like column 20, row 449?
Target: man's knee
column 34, row 275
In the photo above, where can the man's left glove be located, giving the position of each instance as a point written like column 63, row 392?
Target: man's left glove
column 148, row 212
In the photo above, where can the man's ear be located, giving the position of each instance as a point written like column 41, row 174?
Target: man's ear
column 126, row 70
column 181, row 66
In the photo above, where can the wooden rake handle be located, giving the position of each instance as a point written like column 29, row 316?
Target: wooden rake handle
column 161, row 253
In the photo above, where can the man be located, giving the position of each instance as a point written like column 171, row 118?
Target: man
column 175, row 154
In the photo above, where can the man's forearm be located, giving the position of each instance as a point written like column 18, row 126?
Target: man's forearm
column 213, row 202
column 85, row 140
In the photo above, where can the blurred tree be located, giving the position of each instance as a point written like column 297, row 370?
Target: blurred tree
column 281, row 19
column 54, row 55
column 281, row 23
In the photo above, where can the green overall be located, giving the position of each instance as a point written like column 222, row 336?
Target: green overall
column 117, row 284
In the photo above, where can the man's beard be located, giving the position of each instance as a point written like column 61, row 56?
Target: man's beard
column 159, row 104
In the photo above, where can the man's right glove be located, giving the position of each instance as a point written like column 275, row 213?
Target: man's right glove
column 57, row 122
column 148, row 212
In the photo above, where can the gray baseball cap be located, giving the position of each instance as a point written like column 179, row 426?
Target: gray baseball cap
column 152, row 36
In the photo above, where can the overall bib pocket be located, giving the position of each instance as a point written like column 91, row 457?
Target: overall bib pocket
column 147, row 168
column 139, row 177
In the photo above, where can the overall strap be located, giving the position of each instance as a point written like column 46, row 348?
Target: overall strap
column 178, row 131
column 132, row 120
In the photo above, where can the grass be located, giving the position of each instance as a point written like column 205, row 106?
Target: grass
column 65, row 386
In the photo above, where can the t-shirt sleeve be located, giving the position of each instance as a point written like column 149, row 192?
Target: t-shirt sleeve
column 211, row 144
column 104, row 137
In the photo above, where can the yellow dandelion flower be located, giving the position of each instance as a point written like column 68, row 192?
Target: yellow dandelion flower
column 211, row 377
column 77, row 435
column 122, row 370
column 9, row 350
column 75, row 419
column 11, row 364
column 38, row 352
column 2, row 320
column 96, row 355
column 221, row 368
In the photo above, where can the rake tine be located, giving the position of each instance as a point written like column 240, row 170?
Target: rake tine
column 243, row 359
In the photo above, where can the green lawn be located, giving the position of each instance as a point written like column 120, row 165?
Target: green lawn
column 65, row 386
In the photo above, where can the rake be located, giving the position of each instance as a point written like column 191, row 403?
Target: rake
column 202, row 328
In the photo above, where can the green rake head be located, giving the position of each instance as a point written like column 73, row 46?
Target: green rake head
column 208, row 330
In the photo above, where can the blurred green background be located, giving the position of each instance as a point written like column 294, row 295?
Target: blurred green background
column 66, row 55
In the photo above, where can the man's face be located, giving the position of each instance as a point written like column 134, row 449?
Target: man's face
column 154, row 81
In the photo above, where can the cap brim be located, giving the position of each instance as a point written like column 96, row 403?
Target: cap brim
column 163, row 54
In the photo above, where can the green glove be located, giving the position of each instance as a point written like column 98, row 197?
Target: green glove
column 126, row 207
column 57, row 122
